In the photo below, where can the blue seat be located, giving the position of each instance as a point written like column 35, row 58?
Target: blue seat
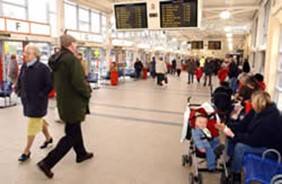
column 92, row 77
column 6, row 90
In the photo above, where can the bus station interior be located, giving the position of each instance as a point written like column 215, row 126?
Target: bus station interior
column 134, row 127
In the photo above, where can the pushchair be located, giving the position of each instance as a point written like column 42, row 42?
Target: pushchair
column 194, row 156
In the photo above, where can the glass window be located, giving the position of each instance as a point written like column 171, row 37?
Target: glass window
column 95, row 22
column 14, row 11
column 37, row 10
column 84, row 23
column 19, row 2
column 104, row 23
column 70, row 17
column 52, row 5
column 266, row 20
column 53, row 24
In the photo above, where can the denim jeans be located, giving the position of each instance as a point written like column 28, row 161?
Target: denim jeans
column 210, row 155
column 239, row 151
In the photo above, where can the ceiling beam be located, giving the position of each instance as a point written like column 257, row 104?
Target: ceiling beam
column 222, row 8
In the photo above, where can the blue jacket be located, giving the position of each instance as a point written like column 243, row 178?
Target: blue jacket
column 199, row 138
column 34, row 85
column 262, row 129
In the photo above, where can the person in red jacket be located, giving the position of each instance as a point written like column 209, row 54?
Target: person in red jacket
column 222, row 74
column 259, row 78
column 199, row 73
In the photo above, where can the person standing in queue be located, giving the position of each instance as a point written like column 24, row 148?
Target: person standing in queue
column 33, row 86
column 73, row 95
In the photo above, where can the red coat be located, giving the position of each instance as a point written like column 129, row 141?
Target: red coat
column 199, row 72
column 262, row 85
column 222, row 74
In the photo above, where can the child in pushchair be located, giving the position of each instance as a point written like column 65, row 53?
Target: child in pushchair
column 200, row 130
column 204, row 142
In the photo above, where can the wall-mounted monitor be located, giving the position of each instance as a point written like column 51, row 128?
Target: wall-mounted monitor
column 214, row 45
column 196, row 45
column 179, row 14
column 131, row 16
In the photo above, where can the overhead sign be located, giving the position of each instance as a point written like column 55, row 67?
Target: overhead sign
column 179, row 14
column 214, row 45
column 131, row 16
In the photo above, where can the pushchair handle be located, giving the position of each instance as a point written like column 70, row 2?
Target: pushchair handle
column 272, row 151
column 277, row 179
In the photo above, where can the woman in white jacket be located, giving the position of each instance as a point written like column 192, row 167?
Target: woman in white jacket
column 161, row 70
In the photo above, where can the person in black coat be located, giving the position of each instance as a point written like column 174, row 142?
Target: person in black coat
column 34, row 85
column 138, row 66
column 233, row 74
column 261, row 129
column 246, row 66
column 208, row 70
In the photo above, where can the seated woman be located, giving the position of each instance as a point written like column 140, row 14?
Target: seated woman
column 258, row 131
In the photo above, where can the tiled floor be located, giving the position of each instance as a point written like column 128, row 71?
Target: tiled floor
column 134, row 130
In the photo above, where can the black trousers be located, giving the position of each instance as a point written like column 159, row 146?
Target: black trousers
column 210, row 79
column 72, row 139
column 190, row 77
column 178, row 72
column 160, row 78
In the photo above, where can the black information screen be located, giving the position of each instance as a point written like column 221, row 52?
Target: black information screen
column 197, row 45
column 131, row 16
column 177, row 14
column 214, row 45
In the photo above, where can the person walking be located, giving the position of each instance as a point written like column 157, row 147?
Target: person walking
column 34, row 85
column 153, row 67
column 161, row 70
column 246, row 66
column 73, row 95
column 191, row 68
column 208, row 70
column 138, row 66
column 178, row 66
column 13, row 69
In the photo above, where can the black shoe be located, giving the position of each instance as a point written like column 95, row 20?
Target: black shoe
column 46, row 170
column 85, row 157
column 45, row 144
column 24, row 157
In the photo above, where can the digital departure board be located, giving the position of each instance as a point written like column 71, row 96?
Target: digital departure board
column 214, row 45
column 179, row 13
column 131, row 16
column 197, row 45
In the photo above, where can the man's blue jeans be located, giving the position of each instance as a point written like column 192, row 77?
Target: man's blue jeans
column 239, row 151
column 213, row 144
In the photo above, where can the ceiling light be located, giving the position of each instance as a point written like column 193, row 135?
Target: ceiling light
column 225, row 15
column 229, row 39
column 227, row 28
column 229, row 35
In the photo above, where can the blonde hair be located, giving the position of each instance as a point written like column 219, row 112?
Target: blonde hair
column 33, row 47
column 261, row 100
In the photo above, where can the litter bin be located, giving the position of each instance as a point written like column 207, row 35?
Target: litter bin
column 114, row 78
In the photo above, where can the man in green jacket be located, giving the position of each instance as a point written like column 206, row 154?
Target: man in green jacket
column 73, row 95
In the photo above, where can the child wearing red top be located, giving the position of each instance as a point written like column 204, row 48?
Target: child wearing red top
column 259, row 78
column 199, row 73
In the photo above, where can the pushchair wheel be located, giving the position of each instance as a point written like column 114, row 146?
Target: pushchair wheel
column 185, row 160
column 225, row 179
column 195, row 179
column 190, row 161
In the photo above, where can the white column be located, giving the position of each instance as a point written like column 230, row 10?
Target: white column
column 60, row 18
